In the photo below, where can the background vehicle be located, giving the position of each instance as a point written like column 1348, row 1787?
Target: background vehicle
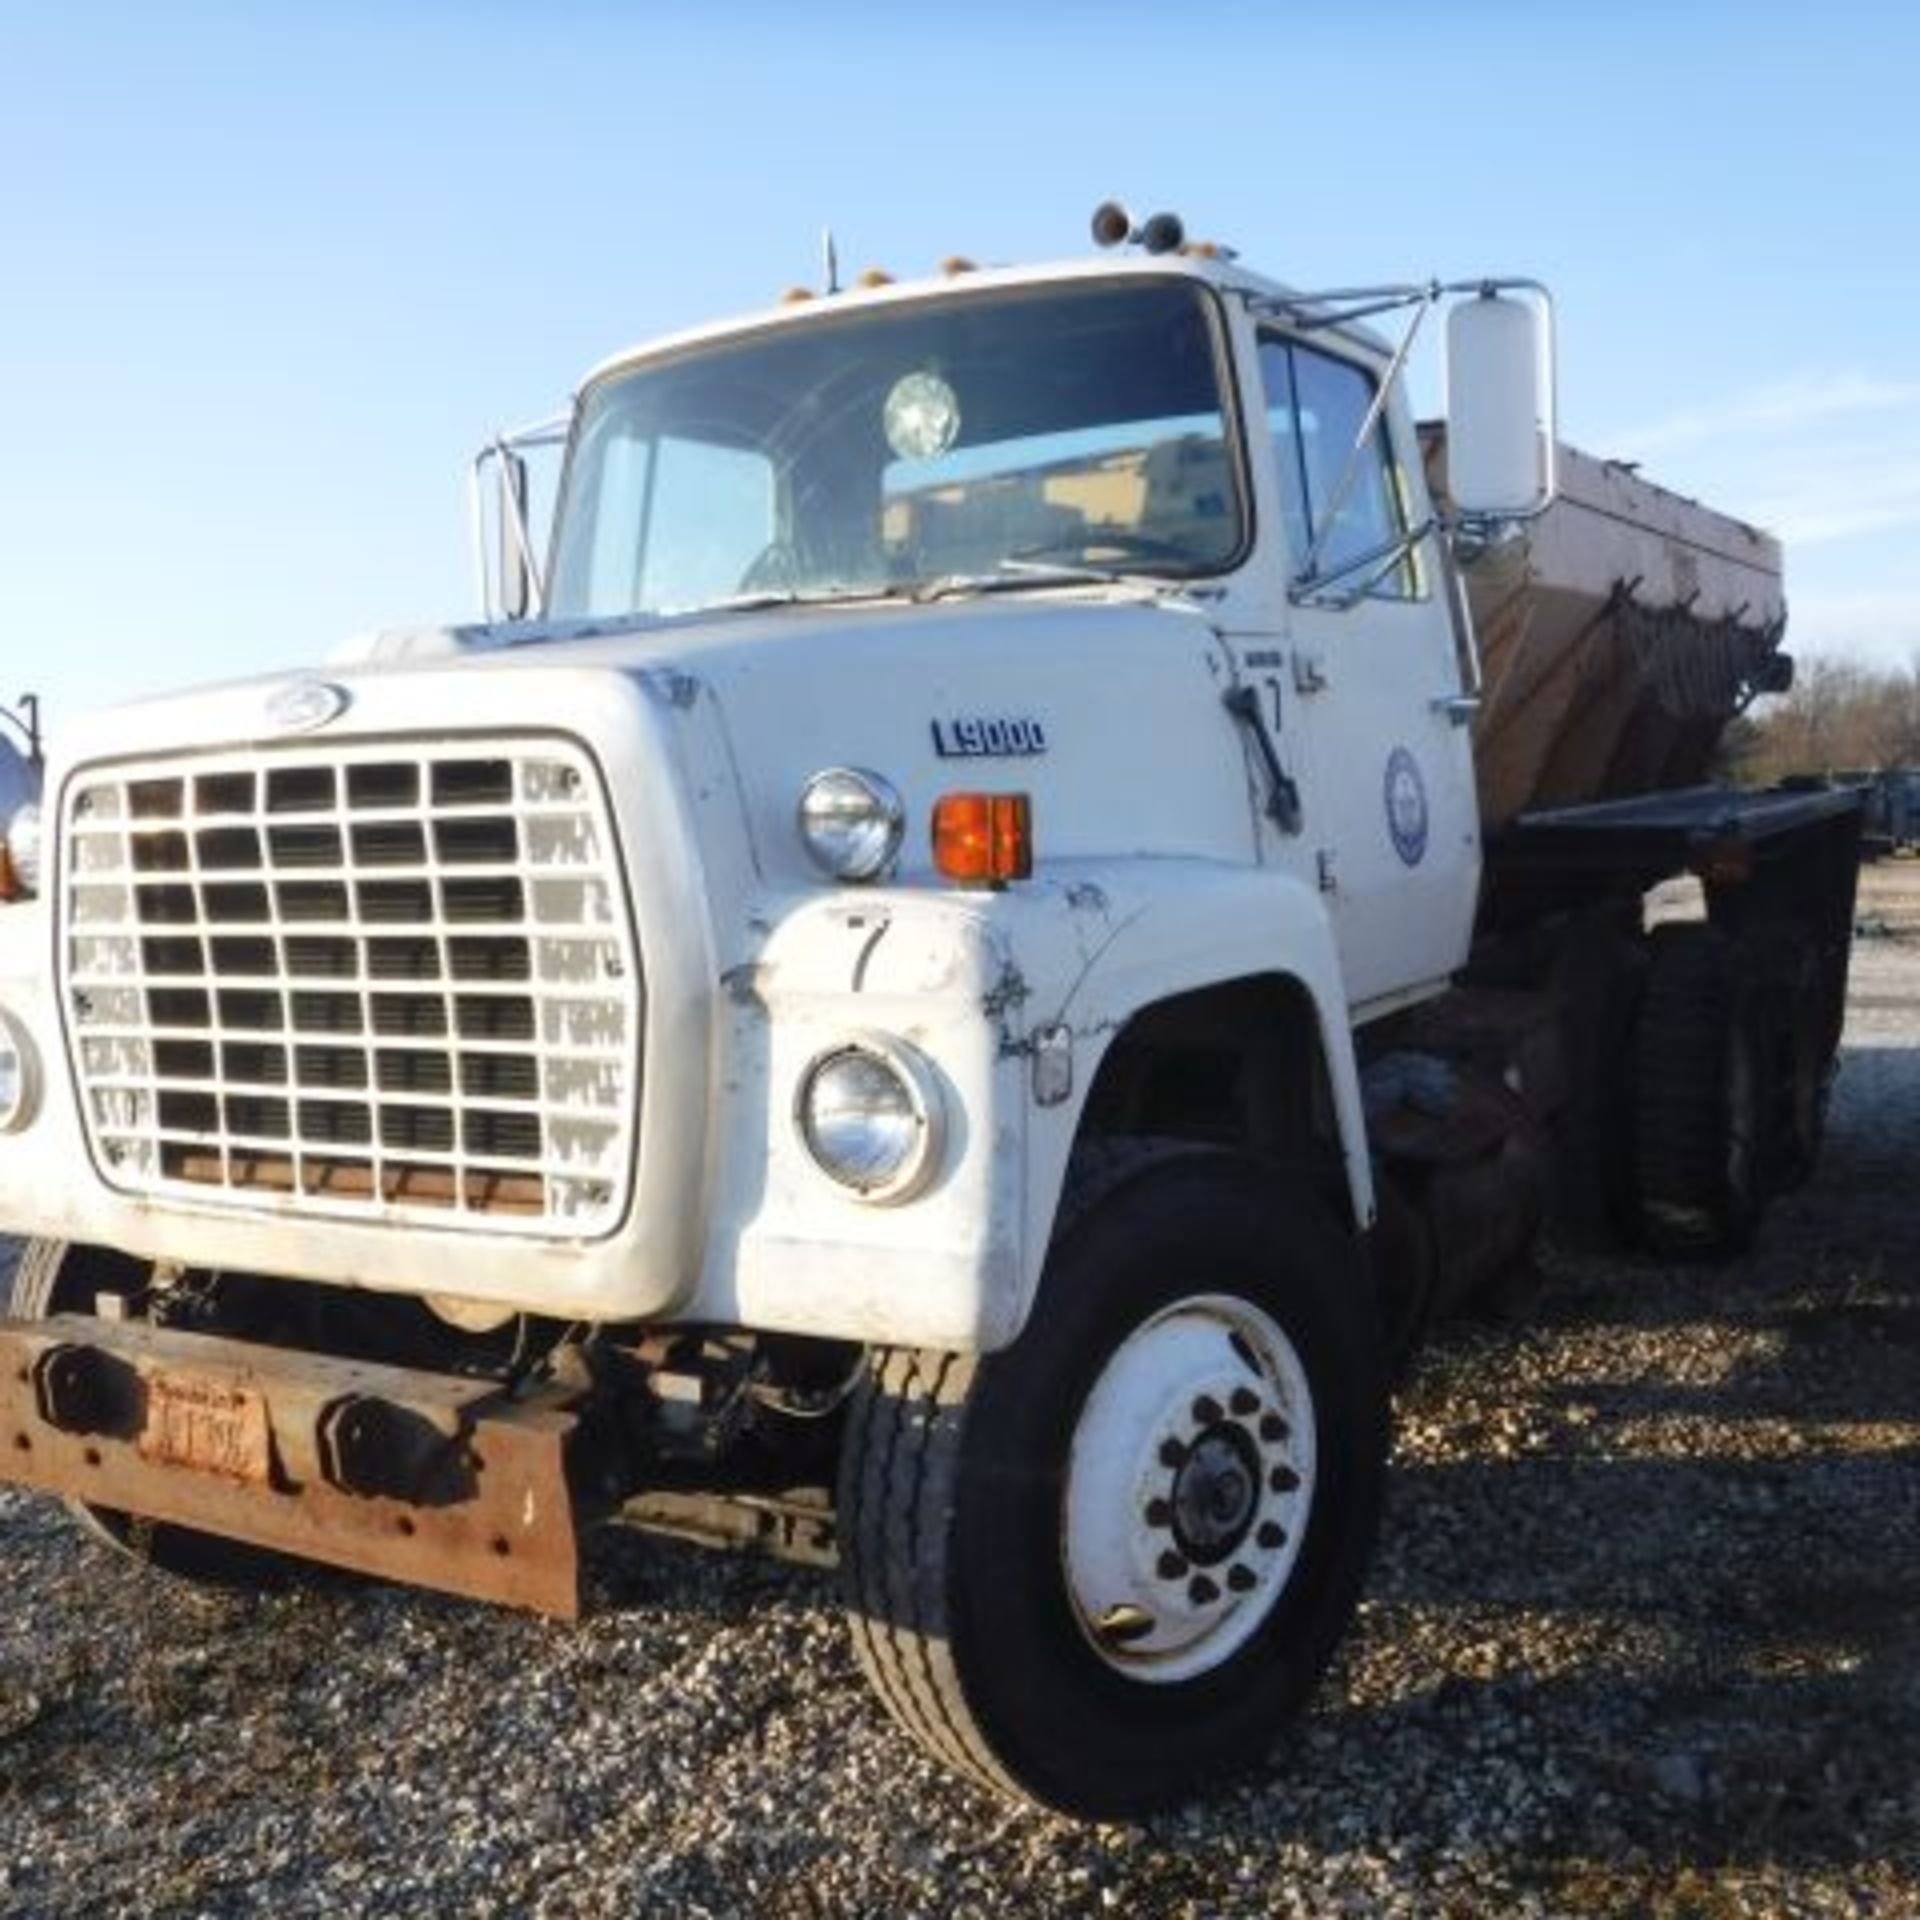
column 1891, row 821
column 945, row 1004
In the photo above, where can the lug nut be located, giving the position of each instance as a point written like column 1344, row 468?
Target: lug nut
column 1283, row 1479
column 1201, row 1591
column 1271, row 1535
column 1240, row 1579
column 1206, row 1410
column 1273, row 1428
column 1244, row 1401
column 1172, row 1453
column 1170, row 1566
column 1159, row 1513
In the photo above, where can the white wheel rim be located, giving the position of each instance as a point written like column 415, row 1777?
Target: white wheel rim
column 1189, row 1486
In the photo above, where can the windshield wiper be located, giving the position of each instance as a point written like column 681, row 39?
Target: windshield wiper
column 783, row 597
column 1014, row 574
column 744, row 602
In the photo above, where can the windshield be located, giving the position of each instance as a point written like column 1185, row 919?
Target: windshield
column 1003, row 438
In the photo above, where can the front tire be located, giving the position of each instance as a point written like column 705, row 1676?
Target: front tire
column 1101, row 1569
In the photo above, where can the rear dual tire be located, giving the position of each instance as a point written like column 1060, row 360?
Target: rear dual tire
column 1707, row 1089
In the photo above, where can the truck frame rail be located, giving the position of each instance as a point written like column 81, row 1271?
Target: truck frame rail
column 1707, row 830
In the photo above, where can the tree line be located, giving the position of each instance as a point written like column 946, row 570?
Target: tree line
column 1839, row 716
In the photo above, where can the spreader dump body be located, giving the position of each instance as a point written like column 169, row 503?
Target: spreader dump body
column 1619, row 634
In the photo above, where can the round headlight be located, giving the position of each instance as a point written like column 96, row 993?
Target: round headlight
column 868, row 1113
column 23, row 846
column 852, row 822
column 19, row 1079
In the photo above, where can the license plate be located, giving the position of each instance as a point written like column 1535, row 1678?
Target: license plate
column 208, row 1426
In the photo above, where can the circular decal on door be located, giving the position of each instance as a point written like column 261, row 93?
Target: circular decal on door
column 1406, row 795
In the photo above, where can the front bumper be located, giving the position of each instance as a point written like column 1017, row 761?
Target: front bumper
column 439, row 1482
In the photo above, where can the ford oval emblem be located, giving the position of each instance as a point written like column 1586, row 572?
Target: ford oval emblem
column 306, row 705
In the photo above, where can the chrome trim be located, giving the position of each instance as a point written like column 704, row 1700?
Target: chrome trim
column 390, row 979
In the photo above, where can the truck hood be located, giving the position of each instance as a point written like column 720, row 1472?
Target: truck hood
column 1106, row 711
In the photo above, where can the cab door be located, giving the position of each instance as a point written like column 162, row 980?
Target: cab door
column 1387, row 805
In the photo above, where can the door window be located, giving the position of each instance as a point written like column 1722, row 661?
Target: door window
column 677, row 521
column 1315, row 406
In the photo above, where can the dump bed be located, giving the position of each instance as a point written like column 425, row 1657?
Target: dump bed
column 1619, row 635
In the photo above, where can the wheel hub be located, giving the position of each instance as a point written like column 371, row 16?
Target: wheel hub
column 1215, row 1492
column 1188, row 1489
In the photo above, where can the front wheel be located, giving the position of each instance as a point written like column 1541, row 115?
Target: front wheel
column 1102, row 1568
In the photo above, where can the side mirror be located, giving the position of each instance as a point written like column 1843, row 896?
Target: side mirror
column 1500, row 426
column 508, row 568
column 516, row 561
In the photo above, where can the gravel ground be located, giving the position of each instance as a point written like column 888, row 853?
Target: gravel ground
column 1643, row 1638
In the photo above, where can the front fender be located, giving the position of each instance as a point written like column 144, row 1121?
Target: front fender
column 1111, row 939
column 788, row 1248
column 968, row 979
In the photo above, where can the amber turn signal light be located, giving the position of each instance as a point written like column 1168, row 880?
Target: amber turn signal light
column 983, row 839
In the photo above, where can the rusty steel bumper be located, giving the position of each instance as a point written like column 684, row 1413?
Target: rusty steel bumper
column 438, row 1481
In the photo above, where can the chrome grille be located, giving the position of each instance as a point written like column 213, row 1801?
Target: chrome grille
column 394, row 979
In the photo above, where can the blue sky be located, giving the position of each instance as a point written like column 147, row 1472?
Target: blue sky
column 270, row 274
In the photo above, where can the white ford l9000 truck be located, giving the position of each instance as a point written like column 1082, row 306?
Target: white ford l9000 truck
column 1029, row 885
